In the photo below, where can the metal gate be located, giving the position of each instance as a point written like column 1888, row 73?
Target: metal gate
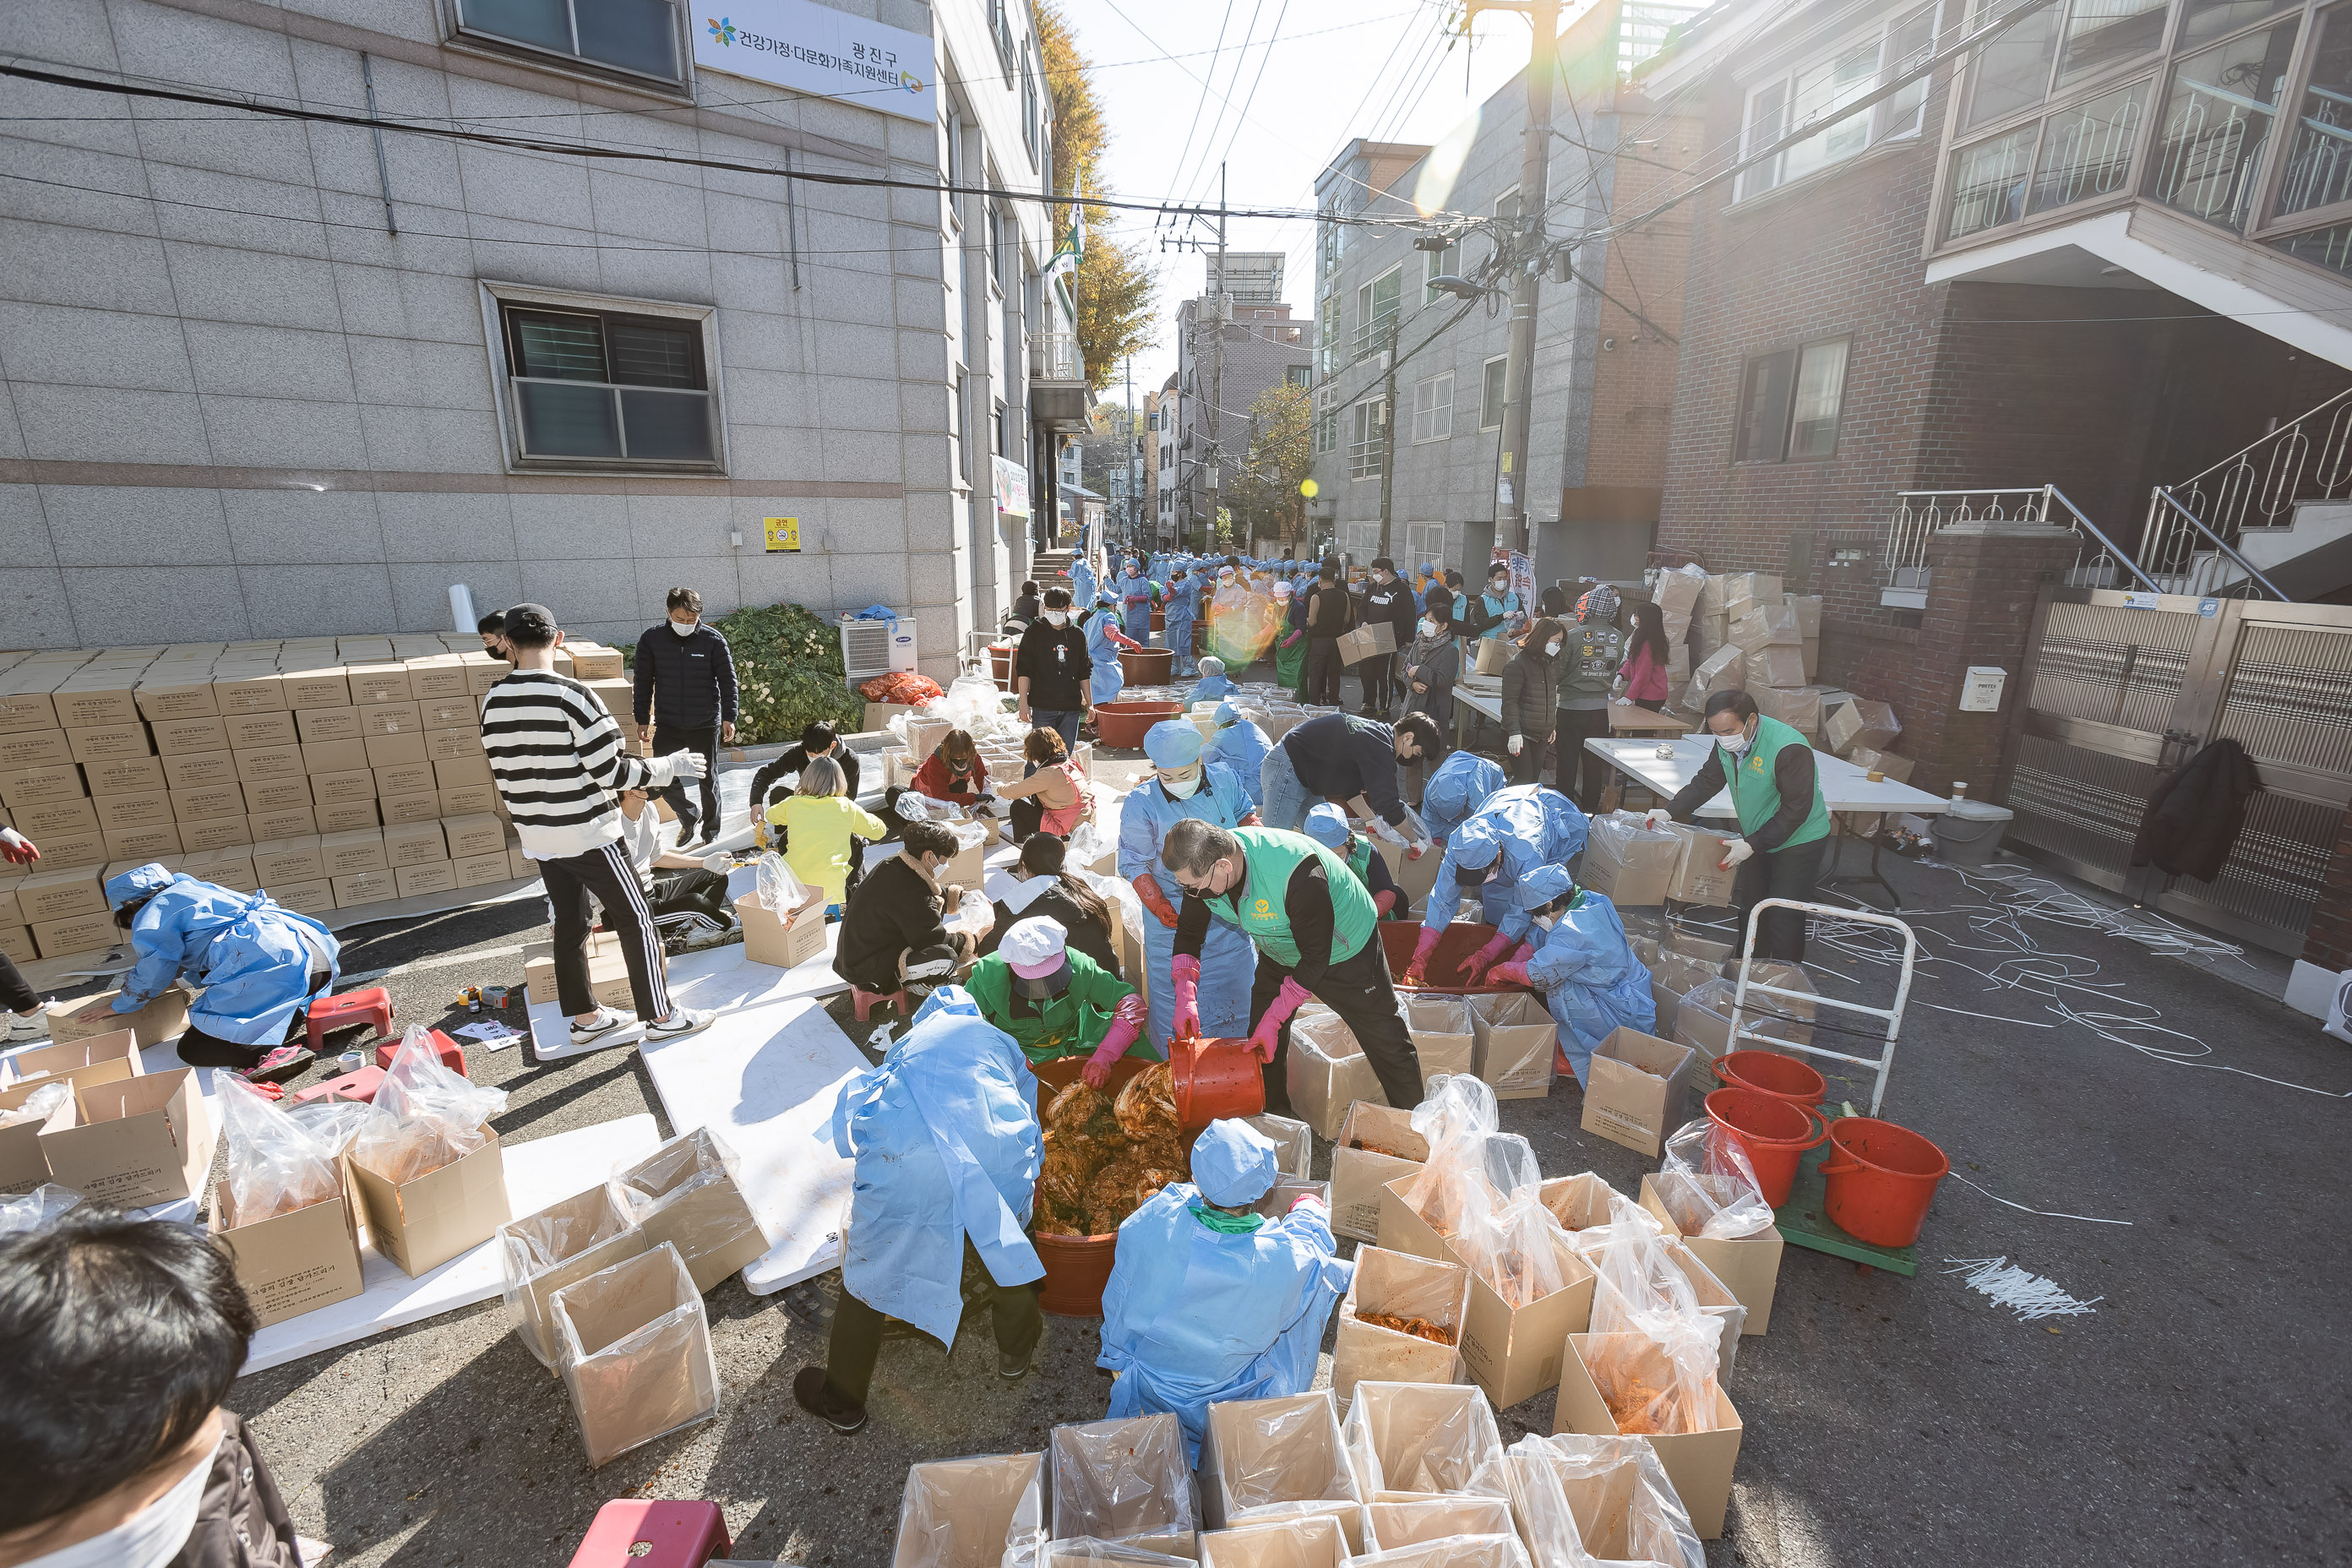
column 2121, row 687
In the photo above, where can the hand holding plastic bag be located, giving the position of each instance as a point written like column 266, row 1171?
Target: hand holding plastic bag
column 1710, row 1185
column 276, row 1165
column 426, row 1116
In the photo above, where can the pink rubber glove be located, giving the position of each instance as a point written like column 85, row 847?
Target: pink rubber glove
column 1184, row 977
column 1384, row 900
column 1291, row 639
column 1125, row 1022
column 1526, row 950
column 1474, row 967
column 1155, row 899
column 1417, row 970
column 1512, row 973
column 1305, row 1198
column 1123, row 640
column 1267, row 1039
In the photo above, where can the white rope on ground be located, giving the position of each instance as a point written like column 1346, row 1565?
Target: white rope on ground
column 2045, row 1214
column 2030, row 1296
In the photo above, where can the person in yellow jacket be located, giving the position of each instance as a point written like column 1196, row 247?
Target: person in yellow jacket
column 817, row 821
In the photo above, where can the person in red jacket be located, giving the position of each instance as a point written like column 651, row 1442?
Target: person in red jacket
column 955, row 772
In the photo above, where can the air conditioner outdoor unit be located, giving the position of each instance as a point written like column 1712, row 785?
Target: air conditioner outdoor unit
column 870, row 648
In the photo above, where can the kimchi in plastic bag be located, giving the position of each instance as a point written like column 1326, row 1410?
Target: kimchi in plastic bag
column 1660, row 1382
column 425, row 1115
column 276, row 1165
column 1709, row 1186
column 1520, row 1249
column 780, row 892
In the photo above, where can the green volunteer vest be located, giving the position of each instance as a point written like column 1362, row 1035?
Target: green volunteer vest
column 1272, row 856
column 1755, row 792
column 1360, row 861
column 1070, row 1025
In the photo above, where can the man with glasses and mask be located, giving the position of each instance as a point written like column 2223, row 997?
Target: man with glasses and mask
column 1317, row 936
column 1057, row 1002
column 1186, row 786
column 1784, row 821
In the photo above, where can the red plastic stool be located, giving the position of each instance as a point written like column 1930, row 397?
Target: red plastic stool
column 864, row 1001
column 332, row 1015
column 632, row 1532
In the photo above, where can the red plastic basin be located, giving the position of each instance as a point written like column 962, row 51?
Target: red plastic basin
column 1121, row 725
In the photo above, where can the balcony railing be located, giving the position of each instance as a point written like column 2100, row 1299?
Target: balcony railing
column 1920, row 515
column 1054, row 356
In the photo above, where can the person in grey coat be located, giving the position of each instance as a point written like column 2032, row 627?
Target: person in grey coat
column 1530, row 701
column 1432, row 662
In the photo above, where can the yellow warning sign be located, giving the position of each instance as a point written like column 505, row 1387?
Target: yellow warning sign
column 782, row 533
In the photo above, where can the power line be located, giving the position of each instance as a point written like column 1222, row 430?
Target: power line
column 1198, row 104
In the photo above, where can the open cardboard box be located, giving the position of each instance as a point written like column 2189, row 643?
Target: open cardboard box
column 1582, row 1202
column 162, row 1018
column 1123, row 1481
column 1715, row 1300
column 1278, row 1459
column 1699, row 877
column 1748, row 1267
column 134, row 1142
column 1423, row 1439
column 971, row 1513
column 1515, row 1352
column 423, row 1223
column 22, row 1164
column 1631, row 864
column 687, row 1193
column 1698, row 1463
column 636, row 1349
column 1400, row 1285
column 1294, row 1143
column 542, row 1253
column 1315, row 1541
column 1358, row 1176
column 93, row 1059
column 1635, row 1088
column 1443, row 1034
column 1389, row 1526
column 767, row 939
column 1327, row 1070
column 291, row 1263
column 1516, row 1040
column 1613, row 1495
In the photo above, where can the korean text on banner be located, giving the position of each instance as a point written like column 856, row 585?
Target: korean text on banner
column 816, row 49
column 1012, row 487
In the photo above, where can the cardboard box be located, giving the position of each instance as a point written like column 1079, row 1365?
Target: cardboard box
column 1312, row 1540
column 1127, row 1481
column 462, row 711
column 767, row 939
column 1373, row 639
column 93, row 1059
column 325, row 726
column 363, row 887
column 636, row 1349
column 319, row 686
column 1400, row 1285
column 21, row 787
column 357, row 817
column 73, row 848
column 1634, row 1089
column 177, row 689
column 23, row 710
column 162, row 1018
column 879, row 714
column 477, row 835
column 1402, row 1227
column 1887, row 762
column 469, row 800
column 1632, row 864
column 33, row 748
column 46, row 819
column 539, row 1254
column 301, row 822
column 482, row 672
column 46, row 895
column 290, row 1263
column 1279, row 1458
column 407, row 778
column 230, row 865
column 1870, row 725
column 375, row 683
column 179, row 737
column 88, row 702
column 1792, row 1014
column 450, row 745
column 444, row 676
column 1426, row 1521
column 272, row 763
column 149, row 810
column 127, row 775
column 972, row 1512
column 334, row 757
column 1772, row 669
column 249, row 694
column 1516, row 1040
column 1698, row 1463
column 1443, row 1034
column 1359, row 1174
column 360, row 851
column 481, row 871
column 454, row 772
column 1492, row 655
column 1327, row 1070
column 686, row 1193
column 315, row 897
column 391, row 718
column 395, row 750
column 1415, row 1438
column 75, row 933
column 436, row 876
column 153, row 843
column 1515, row 1352
column 215, row 833
column 423, row 1223
column 414, row 844
column 23, row 1165
column 524, row 868
column 1725, row 669
column 1749, row 1266
column 135, row 1141
column 1699, row 875
column 352, row 787
column 199, row 802
column 608, row 978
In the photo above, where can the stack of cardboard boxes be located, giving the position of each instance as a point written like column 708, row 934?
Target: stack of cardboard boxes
column 329, row 772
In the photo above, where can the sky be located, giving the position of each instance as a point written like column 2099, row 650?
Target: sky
column 1290, row 84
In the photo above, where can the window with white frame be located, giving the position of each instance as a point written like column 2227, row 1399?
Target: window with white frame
column 1376, row 310
column 1817, row 89
column 1433, row 407
column 1360, row 540
column 593, row 386
column 1490, row 394
column 1424, row 542
column 1368, row 441
column 636, row 36
column 1437, row 264
column 1326, row 419
column 1791, row 401
column 1029, row 103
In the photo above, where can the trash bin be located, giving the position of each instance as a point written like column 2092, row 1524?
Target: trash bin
column 1969, row 832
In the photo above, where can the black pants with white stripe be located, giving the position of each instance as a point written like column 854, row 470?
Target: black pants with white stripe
column 606, row 872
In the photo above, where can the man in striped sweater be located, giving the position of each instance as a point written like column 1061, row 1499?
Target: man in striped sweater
column 560, row 764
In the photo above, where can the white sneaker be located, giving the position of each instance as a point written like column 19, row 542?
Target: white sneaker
column 681, row 1021
column 596, row 1028
column 25, row 1029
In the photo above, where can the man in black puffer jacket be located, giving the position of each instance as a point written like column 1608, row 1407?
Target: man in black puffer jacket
column 686, row 675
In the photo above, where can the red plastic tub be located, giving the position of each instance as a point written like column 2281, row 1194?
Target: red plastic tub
column 1455, row 944
column 1879, row 1180
column 1773, row 1132
column 999, row 665
column 1152, row 667
column 1216, row 1079
column 1769, row 1072
column 1121, row 726
column 1076, row 1267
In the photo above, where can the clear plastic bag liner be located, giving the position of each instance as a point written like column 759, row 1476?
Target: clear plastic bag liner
column 1658, row 1379
column 1437, row 1014
column 1505, row 1009
column 1709, row 1186
column 1088, row 843
column 1714, row 997
column 1120, row 895
column 1389, row 1526
column 276, row 1165
column 40, row 1105
column 1281, row 1456
column 1095, row 1553
column 1123, row 1481
column 1294, row 1143
column 1583, row 1500
column 1516, row 1248
column 635, row 1348
column 333, row 1123
column 687, row 1161
column 779, row 892
column 425, row 1115
column 1423, row 1438
column 1323, row 1032
column 1586, row 1207
column 984, row 1512
column 38, row 1209
column 1639, row 1287
column 1454, row 1102
column 1499, row 1551
column 542, row 1248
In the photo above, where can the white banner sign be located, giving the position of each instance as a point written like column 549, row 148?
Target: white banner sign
column 816, row 49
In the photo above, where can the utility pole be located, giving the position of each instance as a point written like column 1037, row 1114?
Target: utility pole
column 1217, row 312
column 1389, row 441
column 1526, row 271
column 1134, row 450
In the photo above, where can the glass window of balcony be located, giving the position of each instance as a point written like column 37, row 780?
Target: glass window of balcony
column 2330, row 248
column 1820, row 89
column 1988, row 181
column 2086, row 151
column 2319, row 159
column 2207, row 20
column 2216, row 117
column 2054, row 48
column 2103, row 33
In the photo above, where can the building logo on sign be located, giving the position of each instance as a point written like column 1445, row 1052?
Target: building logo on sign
column 816, row 49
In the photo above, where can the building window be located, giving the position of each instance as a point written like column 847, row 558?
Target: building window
column 1029, row 104
column 1327, row 420
column 1424, row 542
column 1433, row 407
column 996, row 430
column 1820, row 88
column 1294, row 375
column 1445, row 263
column 955, row 165
column 1490, row 395
column 2217, row 121
column 1327, row 230
column 1376, row 311
column 1790, row 401
column 996, row 246
column 639, row 36
column 601, row 387
column 1368, row 442
column 2060, row 45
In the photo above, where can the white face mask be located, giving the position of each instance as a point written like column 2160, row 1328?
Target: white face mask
column 1546, row 921
column 685, row 631
column 1430, row 628
column 1057, row 618
column 1184, row 786
column 1737, row 742
column 1553, row 649
column 148, row 1539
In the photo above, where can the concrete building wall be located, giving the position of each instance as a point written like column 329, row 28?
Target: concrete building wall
column 237, row 406
column 1264, row 342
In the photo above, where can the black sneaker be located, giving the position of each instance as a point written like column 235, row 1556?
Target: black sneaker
column 1014, row 1368
column 814, row 1391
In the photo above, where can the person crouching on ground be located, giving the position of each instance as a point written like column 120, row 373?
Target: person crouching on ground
column 894, row 933
column 1055, row 1002
column 688, row 893
column 819, row 822
column 1052, row 799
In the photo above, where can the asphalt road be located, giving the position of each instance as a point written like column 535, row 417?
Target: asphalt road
column 2196, row 1414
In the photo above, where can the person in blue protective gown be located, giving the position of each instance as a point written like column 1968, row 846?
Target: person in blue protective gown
column 1518, row 829
column 1213, row 685
column 260, row 965
column 1084, row 584
column 1462, row 783
column 1136, row 592
column 1183, row 612
column 1327, row 824
column 1239, row 744
column 947, row 1147
column 1210, row 1300
column 1185, row 784
column 1104, row 639
column 1583, row 965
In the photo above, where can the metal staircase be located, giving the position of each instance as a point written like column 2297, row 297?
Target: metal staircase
column 2273, row 518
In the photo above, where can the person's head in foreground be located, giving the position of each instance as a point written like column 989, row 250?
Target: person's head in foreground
column 685, row 607
column 127, row 892
column 493, row 629
column 121, row 1337
column 1044, row 748
column 1731, row 719
column 1328, row 825
column 1206, row 860
column 1212, row 666
column 1599, row 606
column 1234, row 1165
column 1057, row 607
column 1038, row 950
column 1418, row 737
column 1498, row 580
column 818, row 737
column 1173, row 746
column 529, row 628
column 959, row 751
column 822, row 776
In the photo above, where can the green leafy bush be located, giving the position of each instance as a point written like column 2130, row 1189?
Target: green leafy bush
column 788, row 674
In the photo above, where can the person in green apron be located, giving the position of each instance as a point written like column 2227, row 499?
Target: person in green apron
column 1315, row 929
column 1057, row 1002
column 1784, row 823
column 1289, row 641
